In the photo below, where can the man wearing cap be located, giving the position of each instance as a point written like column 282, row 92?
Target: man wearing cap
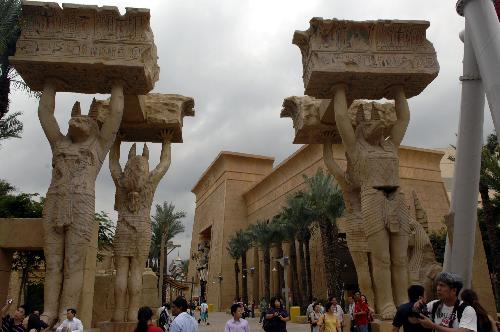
column 448, row 313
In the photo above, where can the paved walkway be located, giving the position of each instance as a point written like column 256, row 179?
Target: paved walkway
column 218, row 320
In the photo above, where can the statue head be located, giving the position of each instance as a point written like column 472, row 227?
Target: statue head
column 136, row 170
column 81, row 127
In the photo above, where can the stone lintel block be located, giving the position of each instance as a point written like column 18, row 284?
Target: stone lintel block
column 309, row 129
column 314, row 119
column 86, row 48
column 368, row 56
column 144, row 117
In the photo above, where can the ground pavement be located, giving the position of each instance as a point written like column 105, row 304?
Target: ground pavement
column 218, row 320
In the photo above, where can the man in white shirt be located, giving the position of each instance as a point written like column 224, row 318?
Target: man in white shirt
column 71, row 323
column 448, row 314
column 337, row 309
column 350, row 310
column 183, row 322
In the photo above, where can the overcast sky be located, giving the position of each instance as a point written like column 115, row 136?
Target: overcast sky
column 236, row 59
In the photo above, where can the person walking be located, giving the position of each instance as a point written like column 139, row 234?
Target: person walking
column 276, row 317
column 329, row 320
column 204, row 312
column 145, row 321
column 448, row 313
column 183, row 322
column 15, row 323
column 237, row 323
column 485, row 323
column 71, row 323
column 405, row 314
column 314, row 318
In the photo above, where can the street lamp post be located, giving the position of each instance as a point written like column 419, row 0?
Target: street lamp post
column 220, row 289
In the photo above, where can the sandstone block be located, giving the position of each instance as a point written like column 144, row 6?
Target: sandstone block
column 144, row 117
column 86, row 47
column 368, row 56
column 309, row 129
column 314, row 120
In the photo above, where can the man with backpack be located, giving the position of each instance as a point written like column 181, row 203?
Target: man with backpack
column 448, row 313
column 164, row 318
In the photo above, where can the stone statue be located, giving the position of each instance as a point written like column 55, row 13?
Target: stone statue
column 373, row 166
column 422, row 264
column 135, row 189
column 68, row 216
column 355, row 236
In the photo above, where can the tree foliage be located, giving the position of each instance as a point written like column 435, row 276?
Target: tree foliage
column 165, row 221
column 21, row 205
column 327, row 204
column 438, row 241
column 11, row 126
column 105, row 234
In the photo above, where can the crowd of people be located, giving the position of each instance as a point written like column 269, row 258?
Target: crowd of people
column 24, row 321
column 454, row 310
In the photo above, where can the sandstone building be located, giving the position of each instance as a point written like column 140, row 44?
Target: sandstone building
column 238, row 189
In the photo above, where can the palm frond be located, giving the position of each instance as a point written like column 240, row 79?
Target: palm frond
column 11, row 126
column 10, row 12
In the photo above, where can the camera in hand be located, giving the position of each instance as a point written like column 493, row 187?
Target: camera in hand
column 422, row 310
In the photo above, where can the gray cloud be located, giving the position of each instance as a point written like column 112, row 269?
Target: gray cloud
column 237, row 61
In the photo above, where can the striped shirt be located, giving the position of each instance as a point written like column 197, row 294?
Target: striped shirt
column 8, row 325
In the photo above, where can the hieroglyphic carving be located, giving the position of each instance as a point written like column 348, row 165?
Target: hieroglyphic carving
column 86, row 41
column 368, row 55
column 159, row 112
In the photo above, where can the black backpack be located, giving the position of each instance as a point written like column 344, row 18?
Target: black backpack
column 458, row 310
column 163, row 320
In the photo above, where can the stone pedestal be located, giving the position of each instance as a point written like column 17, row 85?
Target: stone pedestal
column 381, row 325
column 108, row 326
column 86, row 48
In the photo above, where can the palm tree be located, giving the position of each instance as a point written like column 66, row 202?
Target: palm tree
column 10, row 12
column 238, row 246
column 326, row 203
column 166, row 224
column 262, row 235
column 235, row 253
column 490, row 182
column 296, row 219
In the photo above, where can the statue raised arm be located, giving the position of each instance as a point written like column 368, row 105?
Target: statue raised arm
column 114, row 160
column 110, row 126
column 342, row 119
column 46, row 108
column 402, row 115
column 333, row 167
column 165, row 157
